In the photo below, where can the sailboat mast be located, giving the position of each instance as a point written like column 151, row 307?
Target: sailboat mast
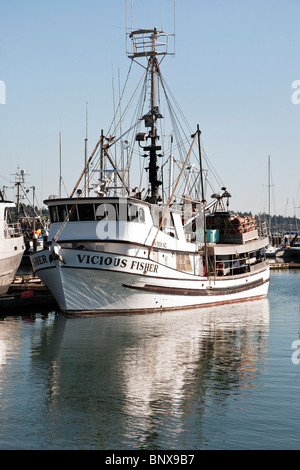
column 269, row 195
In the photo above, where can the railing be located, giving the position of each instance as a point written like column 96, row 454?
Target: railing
column 12, row 230
column 145, row 42
column 230, row 266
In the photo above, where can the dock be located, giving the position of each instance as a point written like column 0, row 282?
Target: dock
column 274, row 265
column 27, row 294
column 24, row 282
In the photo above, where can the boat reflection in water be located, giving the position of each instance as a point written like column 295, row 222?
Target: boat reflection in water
column 139, row 381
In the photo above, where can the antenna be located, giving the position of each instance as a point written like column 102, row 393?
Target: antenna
column 60, row 177
column 174, row 27
column 85, row 149
column 126, row 15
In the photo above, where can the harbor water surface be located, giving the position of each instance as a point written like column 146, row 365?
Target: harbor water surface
column 225, row 377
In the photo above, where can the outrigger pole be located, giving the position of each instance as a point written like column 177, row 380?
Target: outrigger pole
column 174, row 189
column 86, row 166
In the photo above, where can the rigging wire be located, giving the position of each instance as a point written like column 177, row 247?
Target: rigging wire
column 211, row 168
column 120, row 99
column 176, row 116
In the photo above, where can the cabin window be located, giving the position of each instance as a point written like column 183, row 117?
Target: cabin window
column 73, row 216
column 62, row 212
column 135, row 213
column 167, row 226
column 183, row 262
column 7, row 216
column 122, row 212
column 86, row 212
column 53, row 214
column 107, row 211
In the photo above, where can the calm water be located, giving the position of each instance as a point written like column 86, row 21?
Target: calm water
column 218, row 378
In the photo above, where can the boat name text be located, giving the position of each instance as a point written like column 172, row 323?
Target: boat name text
column 42, row 259
column 106, row 261
column 160, row 244
column 117, row 263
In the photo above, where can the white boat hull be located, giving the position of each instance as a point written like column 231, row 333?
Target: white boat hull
column 12, row 246
column 8, row 268
column 85, row 281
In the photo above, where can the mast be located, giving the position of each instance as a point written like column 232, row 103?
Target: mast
column 86, row 152
column 60, row 177
column 202, row 199
column 269, row 196
column 153, row 148
column 171, row 168
column 19, row 181
column 269, row 193
column 145, row 44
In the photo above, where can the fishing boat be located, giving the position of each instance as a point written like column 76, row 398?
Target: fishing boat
column 290, row 252
column 125, row 250
column 12, row 245
column 31, row 221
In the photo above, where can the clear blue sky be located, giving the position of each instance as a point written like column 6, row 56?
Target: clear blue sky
column 232, row 74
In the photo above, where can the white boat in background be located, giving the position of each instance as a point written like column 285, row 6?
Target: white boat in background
column 290, row 252
column 271, row 251
column 12, row 245
column 126, row 250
